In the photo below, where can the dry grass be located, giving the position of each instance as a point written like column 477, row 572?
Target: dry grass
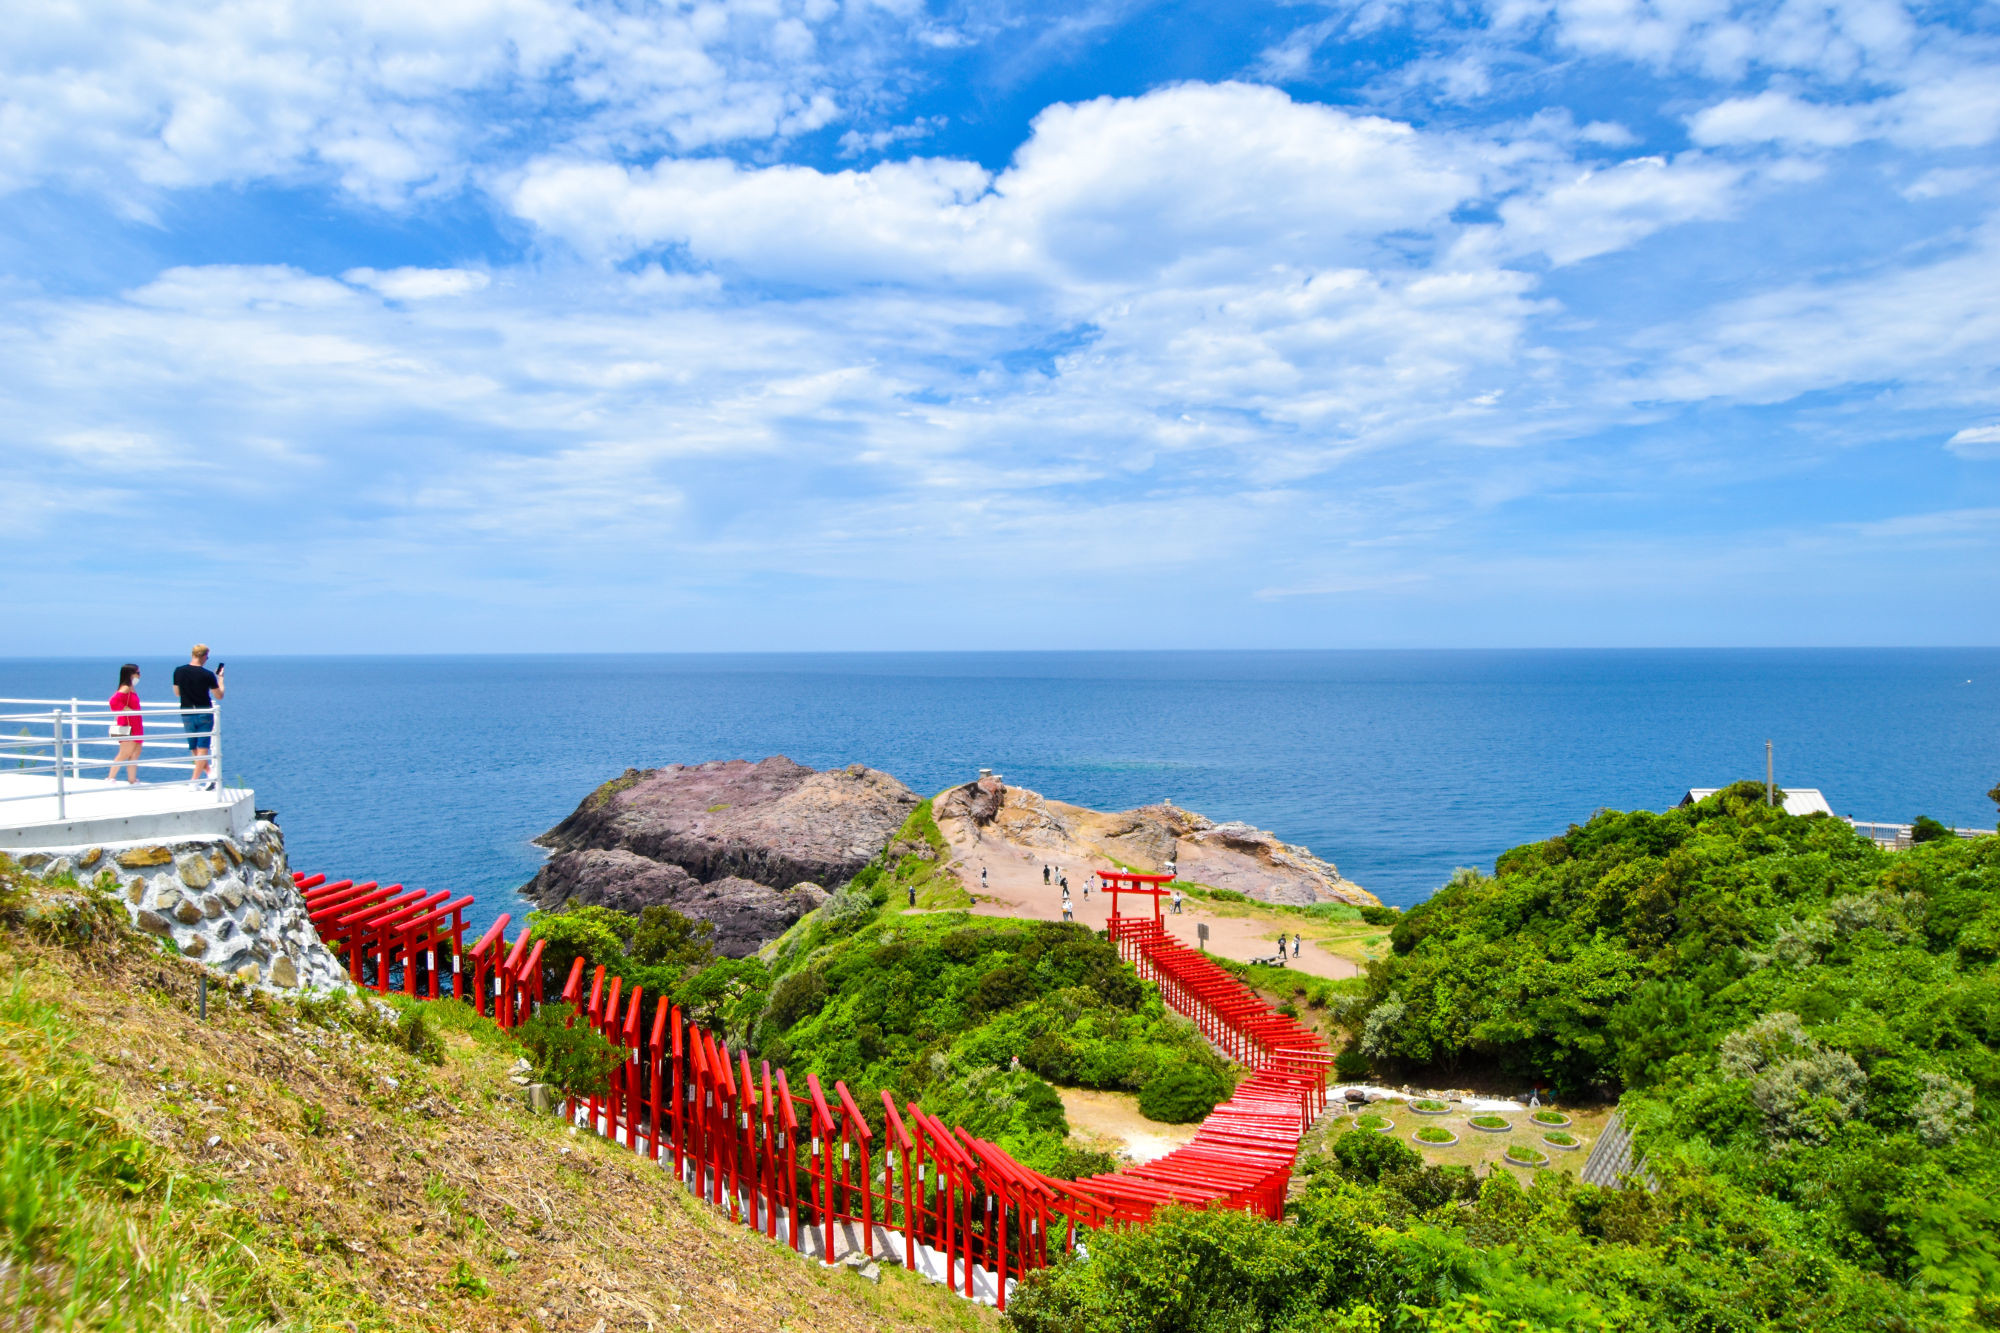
column 351, row 1186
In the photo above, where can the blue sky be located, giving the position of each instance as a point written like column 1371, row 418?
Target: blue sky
column 516, row 324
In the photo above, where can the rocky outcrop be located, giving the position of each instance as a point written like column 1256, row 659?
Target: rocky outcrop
column 1234, row 856
column 231, row 905
column 744, row 846
column 743, row 912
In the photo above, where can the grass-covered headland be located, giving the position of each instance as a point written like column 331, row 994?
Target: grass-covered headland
column 976, row 1018
column 1803, row 1029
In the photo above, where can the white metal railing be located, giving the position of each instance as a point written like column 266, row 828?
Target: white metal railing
column 1899, row 836
column 50, row 737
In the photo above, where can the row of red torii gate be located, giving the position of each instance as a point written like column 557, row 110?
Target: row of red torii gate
column 806, row 1165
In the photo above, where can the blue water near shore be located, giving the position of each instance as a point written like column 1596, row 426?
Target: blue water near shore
column 1397, row 766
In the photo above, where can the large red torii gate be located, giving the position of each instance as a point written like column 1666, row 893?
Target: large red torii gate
column 1126, row 881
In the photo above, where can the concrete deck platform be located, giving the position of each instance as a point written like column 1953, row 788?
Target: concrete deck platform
column 97, row 813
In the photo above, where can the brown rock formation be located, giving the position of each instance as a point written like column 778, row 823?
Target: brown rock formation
column 742, row 845
column 1233, row 856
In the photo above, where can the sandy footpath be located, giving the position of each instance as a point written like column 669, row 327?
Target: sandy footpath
column 1013, row 887
column 1112, row 1121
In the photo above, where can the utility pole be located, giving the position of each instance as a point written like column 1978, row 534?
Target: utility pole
column 1770, row 783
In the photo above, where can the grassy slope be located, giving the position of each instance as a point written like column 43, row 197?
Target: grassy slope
column 271, row 1168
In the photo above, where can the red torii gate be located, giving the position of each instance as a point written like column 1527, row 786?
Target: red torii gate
column 1125, row 881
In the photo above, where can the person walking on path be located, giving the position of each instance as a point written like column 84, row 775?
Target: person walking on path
column 982, row 879
column 1177, row 902
column 1066, row 911
column 129, row 726
column 1295, row 944
column 1045, row 872
column 195, row 684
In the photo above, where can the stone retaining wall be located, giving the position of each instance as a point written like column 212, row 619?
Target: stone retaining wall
column 226, row 901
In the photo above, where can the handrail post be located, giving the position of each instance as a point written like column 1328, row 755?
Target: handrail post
column 62, row 794
column 215, row 751
column 75, row 747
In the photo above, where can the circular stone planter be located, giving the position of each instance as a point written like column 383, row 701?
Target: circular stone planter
column 1550, row 1119
column 1539, row 1158
column 1427, row 1106
column 1573, row 1144
column 1434, row 1143
column 1500, row 1125
column 1386, row 1126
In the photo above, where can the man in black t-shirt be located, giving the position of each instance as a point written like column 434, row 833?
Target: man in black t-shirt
column 195, row 682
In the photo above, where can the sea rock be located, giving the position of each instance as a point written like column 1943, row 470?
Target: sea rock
column 138, row 858
column 743, row 912
column 722, row 841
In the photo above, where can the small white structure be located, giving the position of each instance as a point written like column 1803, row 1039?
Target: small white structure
column 1798, row 800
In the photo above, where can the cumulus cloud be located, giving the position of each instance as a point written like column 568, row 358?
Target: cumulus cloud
column 1108, row 191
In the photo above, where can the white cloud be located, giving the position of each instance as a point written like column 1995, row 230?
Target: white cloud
column 1976, row 442
column 1597, row 211
column 418, row 284
column 1110, row 191
column 129, row 97
column 1935, row 323
column 1774, row 117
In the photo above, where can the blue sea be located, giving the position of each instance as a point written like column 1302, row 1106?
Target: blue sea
column 1396, row 766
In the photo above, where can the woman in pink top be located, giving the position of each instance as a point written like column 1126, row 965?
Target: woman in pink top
column 129, row 725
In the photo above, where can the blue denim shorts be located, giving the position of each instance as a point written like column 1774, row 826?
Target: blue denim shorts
column 197, row 726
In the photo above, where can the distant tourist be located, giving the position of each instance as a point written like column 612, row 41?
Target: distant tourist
column 195, row 683
column 1177, row 902
column 982, row 877
column 1045, row 872
column 1281, row 944
column 1066, row 912
column 129, row 726
column 1295, row 945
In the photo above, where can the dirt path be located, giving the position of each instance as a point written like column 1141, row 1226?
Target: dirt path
column 1112, row 1120
column 1013, row 887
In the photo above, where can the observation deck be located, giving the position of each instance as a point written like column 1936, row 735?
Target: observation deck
column 54, row 792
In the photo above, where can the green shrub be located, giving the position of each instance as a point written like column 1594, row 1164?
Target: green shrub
column 1364, row 1156
column 794, row 997
column 1375, row 914
column 574, row 1058
column 1925, row 829
column 663, row 937
column 1351, row 1066
column 1181, row 1094
column 1435, row 1134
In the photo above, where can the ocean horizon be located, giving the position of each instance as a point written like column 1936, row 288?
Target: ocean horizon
column 1397, row 765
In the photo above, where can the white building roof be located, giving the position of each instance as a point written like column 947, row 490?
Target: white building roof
column 1798, row 800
